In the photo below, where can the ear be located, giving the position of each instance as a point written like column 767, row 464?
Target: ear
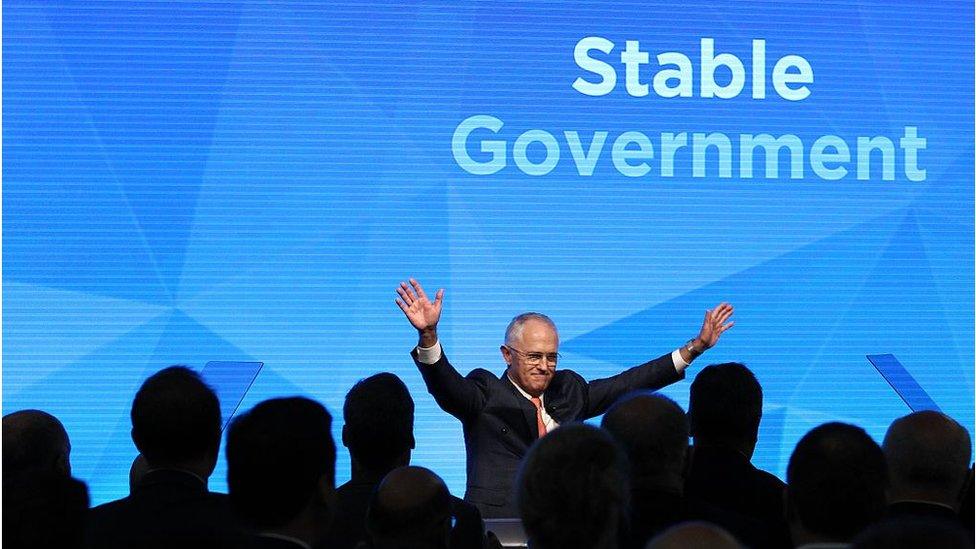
column 345, row 437
column 135, row 439
column 63, row 465
column 413, row 442
column 506, row 355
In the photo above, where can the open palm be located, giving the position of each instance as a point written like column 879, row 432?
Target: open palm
column 422, row 313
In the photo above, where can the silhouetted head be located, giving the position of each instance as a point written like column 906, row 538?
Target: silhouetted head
column 410, row 508
column 836, row 481
column 176, row 421
column 928, row 457
column 378, row 430
column 653, row 430
column 281, row 466
column 694, row 535
column 34, row 441
column 572, row 489
column 725, row 406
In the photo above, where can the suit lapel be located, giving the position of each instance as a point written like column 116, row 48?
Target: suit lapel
column 528, row 409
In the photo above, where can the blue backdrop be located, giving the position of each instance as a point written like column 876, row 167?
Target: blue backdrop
column 249, row 180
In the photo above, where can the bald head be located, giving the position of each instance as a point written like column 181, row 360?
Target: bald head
column 653, row 430
column 694, row 535
column 513, row 333
column 34, row 441
column 411, row 505
column 928, row 457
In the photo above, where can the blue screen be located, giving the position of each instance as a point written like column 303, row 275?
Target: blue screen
column 186, row 182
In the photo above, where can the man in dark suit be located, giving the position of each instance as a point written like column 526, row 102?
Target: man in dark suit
column 653, row 430
column 503, row 415
column 928, row 461
column 724, row 410
column 281, row 472
column 835, row 485
column 378, row 431
column 176, row 426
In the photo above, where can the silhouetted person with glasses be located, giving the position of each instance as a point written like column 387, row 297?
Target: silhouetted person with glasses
column 503, row 415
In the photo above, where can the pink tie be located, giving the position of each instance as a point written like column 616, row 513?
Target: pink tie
column 538, row 415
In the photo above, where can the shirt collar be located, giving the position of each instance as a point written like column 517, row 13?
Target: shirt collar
column 285, row 538
column 521, row 390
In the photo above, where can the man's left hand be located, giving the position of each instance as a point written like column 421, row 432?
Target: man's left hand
column 715, row 324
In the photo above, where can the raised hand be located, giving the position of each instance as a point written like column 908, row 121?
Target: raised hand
column 422, row 313
column 714, row 325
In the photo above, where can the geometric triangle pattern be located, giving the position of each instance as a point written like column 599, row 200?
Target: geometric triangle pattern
column 248, row 181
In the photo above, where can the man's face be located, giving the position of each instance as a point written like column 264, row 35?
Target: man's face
column 538, row 338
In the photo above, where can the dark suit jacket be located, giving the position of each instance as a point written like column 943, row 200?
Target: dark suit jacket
column 725, row 478
column 921, row 509
column 265, row 542
column 167, row 509
column 655, row 510
column 500, row 424
column 349, row 526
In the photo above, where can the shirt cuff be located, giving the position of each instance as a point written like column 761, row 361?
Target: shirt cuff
column 679, row 363
column 429, row 355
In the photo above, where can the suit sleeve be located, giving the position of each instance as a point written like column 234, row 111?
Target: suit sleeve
column 460, row 396
column 652, row 375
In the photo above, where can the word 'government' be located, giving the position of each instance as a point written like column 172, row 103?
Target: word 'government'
column 480, row 146
column 632, row 152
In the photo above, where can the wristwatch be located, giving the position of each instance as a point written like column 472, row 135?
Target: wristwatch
column 690, row 347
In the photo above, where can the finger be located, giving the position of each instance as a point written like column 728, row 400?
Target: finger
column 418, row 288
column 439, row 298
column 723, row 316
column 403, row 306
column 405, row 293
column 727, row 326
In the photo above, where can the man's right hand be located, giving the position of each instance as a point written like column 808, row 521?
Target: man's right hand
column 420, row 311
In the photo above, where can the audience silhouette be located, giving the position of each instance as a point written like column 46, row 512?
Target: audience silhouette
column 176, row 428
column 379, row 413
column 34, row 441
column 653, row 430
column 632, row 484
column 281, row 472
column 915, row 532
column 572, row 490
column 694, row 535
column 724, row 411
column 411, row 509
column 836, row 481
column 928, row 463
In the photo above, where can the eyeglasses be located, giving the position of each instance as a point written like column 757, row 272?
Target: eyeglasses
column 535, row 359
